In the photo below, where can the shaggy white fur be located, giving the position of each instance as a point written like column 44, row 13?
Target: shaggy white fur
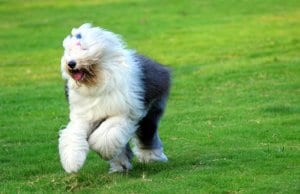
column 104, row 87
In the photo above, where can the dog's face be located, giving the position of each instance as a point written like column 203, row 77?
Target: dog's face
column 83, row 49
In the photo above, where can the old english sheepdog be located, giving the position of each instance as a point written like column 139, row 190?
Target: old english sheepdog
column 115, row 96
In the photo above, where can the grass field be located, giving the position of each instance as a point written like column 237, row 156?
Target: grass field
column 233, row 119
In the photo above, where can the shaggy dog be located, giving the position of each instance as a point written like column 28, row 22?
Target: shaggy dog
column 115, row 95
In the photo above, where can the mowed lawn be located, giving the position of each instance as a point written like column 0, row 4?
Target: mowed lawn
column 232, row 124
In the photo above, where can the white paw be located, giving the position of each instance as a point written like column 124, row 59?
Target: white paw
column 72, row 160
column 146, row 156
column 120, row 164
column 72, row 164
column 73, row 149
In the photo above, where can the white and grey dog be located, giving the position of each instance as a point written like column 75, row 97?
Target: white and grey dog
column 115, row 95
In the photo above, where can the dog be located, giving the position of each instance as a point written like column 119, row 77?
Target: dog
column 116, row 99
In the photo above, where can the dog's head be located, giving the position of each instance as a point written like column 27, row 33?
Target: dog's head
column 85, row 51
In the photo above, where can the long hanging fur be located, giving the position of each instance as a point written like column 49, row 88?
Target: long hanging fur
column 114, row 95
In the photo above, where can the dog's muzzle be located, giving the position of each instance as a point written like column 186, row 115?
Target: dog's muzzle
column 77, row 74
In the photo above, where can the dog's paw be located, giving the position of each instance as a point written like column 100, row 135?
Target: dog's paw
column 120, row 166
column 71, row 165
column 146, row 155
column 122, row 162
column 73, row 149
column 72, row 160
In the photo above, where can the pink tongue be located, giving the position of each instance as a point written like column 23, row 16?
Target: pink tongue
column 77, row 76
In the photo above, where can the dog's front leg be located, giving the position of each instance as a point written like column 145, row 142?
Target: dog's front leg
column 110, row 140
column 73, row 146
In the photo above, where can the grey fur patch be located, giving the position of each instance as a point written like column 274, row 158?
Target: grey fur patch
column 156, row 83
column 156, row 79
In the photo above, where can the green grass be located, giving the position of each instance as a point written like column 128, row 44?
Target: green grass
column 233, row 118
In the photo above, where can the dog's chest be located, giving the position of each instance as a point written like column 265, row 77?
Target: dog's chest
column 97, row 107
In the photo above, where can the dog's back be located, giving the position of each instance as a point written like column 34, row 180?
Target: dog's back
column 156, row 79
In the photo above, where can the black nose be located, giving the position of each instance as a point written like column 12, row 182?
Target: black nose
column 72, row 64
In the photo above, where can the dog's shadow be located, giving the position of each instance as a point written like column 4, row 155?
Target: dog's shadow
column 140, row 170
column 96, row 174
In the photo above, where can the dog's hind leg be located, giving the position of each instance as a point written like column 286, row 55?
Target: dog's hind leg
column 148, row 146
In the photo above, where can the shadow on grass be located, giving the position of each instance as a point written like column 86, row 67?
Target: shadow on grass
column 97, row 178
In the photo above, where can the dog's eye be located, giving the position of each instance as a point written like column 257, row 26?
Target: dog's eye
column 78, row 36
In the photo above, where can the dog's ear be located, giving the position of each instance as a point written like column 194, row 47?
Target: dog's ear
column 66, row 42
column 85, row 26
column 74, row 31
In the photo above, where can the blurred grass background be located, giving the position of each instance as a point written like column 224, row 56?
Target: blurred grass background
column 233, row 118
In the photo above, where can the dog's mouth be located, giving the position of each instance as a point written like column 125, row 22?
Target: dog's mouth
column 87, row 75
column 77, row 74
